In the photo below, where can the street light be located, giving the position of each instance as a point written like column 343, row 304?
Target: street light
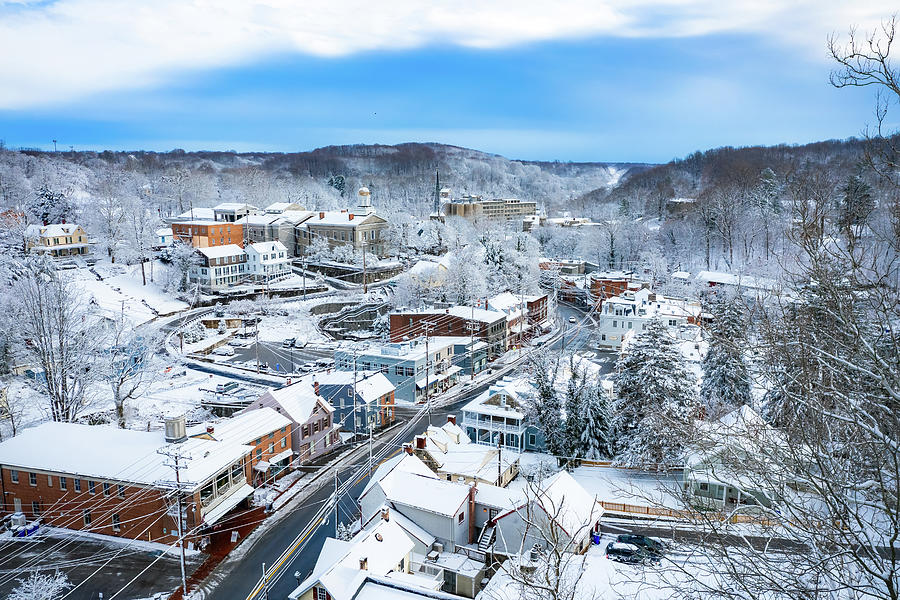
column 297, row 577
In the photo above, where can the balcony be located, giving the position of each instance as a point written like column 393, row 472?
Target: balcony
column 493, row 425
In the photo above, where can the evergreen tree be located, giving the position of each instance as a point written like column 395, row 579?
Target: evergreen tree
column 545, row 409
column 726, row 379
column 575, row 406
column 656, row 397
column 856, row 203
column 597, row 435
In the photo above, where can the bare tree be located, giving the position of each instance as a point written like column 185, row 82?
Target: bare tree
column 59, row 329
column 41, row 586
column 126, row 363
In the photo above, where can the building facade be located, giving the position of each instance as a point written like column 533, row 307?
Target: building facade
column 458, row 321
column 208, row 234
column 220, row 267
column 57, row 240
column 267, row 261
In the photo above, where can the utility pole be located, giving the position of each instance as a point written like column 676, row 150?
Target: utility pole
column 303, row 267
column 365, row 280
column 335, row 502
column 500, row 459
column 256, row 345
column 176, row 460
column 54, row 145
column 427, row 326
column 370, row 448
column 354, row 415
column 265, row 581
column 472, row 326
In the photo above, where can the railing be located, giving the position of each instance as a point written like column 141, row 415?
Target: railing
column 433, row 571
column 655, row 511
column 494, row 426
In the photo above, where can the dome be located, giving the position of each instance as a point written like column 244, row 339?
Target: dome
column 363, row 191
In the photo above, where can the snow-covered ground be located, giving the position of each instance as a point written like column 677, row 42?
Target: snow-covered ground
column 121, row 288
column 629, row 486
column 297, row 322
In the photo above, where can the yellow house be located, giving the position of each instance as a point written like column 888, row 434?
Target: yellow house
column 57, row 239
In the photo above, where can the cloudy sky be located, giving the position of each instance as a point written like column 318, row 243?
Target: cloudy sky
column 614, row 80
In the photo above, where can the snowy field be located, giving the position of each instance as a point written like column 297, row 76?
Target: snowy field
column 121, row 288
column 298, row 323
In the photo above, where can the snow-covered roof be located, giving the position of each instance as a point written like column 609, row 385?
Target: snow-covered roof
column 198, row 214
column 266, row 247
column 258, row 220
column 51, row 230
column 402, row 463
column 569, row 504
column 164, row 232
column 242, row 428
column 430, row 494
column 450, row 448
column 498, row 497
column 298, row 401
column 108, row 453
column 370, row 385
column 502, row 399
column 233, row 206
column 337, row 218
column 745, row 281
column 412, row 350
column 221, row 251
column 280, row 207
column 464, row 312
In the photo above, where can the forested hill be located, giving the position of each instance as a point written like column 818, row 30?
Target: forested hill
column 401, row 176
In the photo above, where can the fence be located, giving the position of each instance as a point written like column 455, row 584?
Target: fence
column 654, row 511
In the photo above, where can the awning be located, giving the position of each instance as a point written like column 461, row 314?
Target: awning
column 224, row 507
column 262, row 465
column 280, row 457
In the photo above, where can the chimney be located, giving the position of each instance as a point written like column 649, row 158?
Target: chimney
column 451, row 419
column 316, row 387
column 321, row 215
column 386, row 514
column 351, row 216
column 175, row 430
column 472, row 490
column 408, row 448
column 363, row 563
column 210, row 429
column 420, row 442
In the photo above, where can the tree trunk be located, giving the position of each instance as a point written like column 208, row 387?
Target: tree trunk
column 120, row 407
column 143, row 273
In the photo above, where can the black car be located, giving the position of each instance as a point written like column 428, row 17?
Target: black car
column 626, row 553
column 651, row 546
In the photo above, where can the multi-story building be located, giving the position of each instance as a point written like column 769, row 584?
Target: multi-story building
column 362, row 400
column 525, row 315
column 208, row 234
column 194, row 214
column 271, row 227
column 488, row 326
column 267, row 261
column 449, row 452
column 360, row 228
column 500, row 414
column 632, row 309
column 57, row 240
column 219, row 267
column 116, row 481
column 404, row 364
column 266, row 431
column 475, row 207
column 608, row 284
column 313, row 430
column 278, row 208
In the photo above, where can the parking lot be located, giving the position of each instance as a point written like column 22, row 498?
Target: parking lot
column 279, row 358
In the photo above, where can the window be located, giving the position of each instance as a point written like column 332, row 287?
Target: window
column 410, row 372
column 321, row 594
column 14, row 476
column 116, row 526
column 258, row 453
column 63, row 483
column 629, row 324
column 672, row 323
column 86, row 515
column 105, row 489
column 77, row 485
column 532, row 439
column 272, row 435
column 272, row 448
column 306, row 431
column 32, row 479
column 258, row 441
column 92, row 487
column 120, row 490
column 284, row 429
column 462, row 516
column 615, row 323
column 36, row 508
column 704, row 487
column 283, row 442
column 49, row 480
column 398, row 371
column 316, row 427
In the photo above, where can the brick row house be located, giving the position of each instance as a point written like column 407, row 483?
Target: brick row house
column 208, row 234
column 116, row 481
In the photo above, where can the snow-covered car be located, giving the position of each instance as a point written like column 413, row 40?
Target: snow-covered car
column 654, row 547
column 627, row 553
column 573, row 320
column 224, row 351
column 289, row 342
column 237, row 343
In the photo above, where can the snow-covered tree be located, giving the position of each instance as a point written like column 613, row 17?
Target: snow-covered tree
column 655, row 391
column 41, row 586
column 125, row 363
column 726, row 377
column 577, row 390
column 47, row 205
column 465, row 281
column 597, row 436
column 60, row 328
column 545, row 404
column 183, row 256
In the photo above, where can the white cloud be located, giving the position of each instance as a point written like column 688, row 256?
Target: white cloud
column 67, row 49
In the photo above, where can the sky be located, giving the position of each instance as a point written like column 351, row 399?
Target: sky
column 579, row 80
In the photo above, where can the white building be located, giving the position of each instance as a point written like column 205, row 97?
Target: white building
column 267, row 261
column 500, row 413
column 220, row 267
column 230, row 212
column 633, row 309
column 449, row 452
column 164, row 237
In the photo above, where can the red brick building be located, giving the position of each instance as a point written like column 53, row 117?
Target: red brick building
column 457, row 321
column 207, row 234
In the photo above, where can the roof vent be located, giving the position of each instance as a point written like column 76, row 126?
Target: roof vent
column 175, row 430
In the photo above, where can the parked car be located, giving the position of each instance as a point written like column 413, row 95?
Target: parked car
column 236, row 343
column 263, row 367
column 654, row 547
column 224, row 351
column 573, row 320
column 626, row 553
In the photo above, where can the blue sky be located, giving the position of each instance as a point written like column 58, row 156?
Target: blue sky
column 603, row 95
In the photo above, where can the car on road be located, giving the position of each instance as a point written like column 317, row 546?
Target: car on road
column 654, row 547
column 573, row 320
column 288, row 342
column 224, row 351
column 237, row 343
column 227, row 388
column 263, row 367
column 627, row 553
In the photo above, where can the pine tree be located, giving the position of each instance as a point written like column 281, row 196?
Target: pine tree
column 597, row 435
column 545, row 409
column 656, row 397
column 726, row 378
column 575, row 407
column 856, row 203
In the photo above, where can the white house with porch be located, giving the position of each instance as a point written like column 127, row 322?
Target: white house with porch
column 267, row 261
